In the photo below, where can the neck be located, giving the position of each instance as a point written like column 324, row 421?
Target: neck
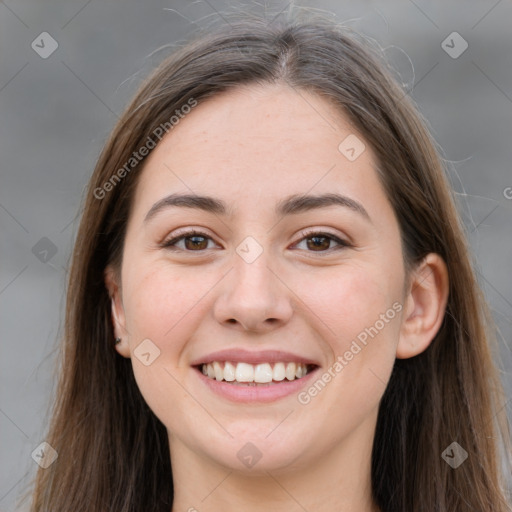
column 337, row 480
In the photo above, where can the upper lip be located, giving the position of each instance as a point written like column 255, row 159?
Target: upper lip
column 235, row 355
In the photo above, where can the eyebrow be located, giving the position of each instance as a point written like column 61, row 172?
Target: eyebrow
column 293, row 204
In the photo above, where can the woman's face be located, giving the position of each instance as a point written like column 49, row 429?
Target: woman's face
column 279, row 276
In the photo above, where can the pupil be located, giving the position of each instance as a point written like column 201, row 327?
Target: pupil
column 318, row 242
column 323, row 246
column 194, row 242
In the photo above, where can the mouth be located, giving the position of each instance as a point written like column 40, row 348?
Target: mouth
column 250, row 377
column 255, row 375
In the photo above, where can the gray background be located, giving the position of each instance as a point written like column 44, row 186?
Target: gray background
column 56, row 112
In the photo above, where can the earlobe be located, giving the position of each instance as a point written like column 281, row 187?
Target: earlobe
column 117, row 312
column 425, row 306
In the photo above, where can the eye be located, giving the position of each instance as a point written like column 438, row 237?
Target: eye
column 321, row 242
column 195, row 241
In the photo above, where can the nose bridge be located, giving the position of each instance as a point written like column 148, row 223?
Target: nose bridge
column 253, row 296
column 252, row 281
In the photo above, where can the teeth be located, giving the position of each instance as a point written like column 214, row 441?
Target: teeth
column 262, row 373
column 279, row 372
column 244, row 372
column 290, row 371
column 218, row 371
column 229, row 372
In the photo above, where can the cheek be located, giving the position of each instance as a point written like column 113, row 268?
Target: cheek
column 158, row 303
column 165, row 305
column 349, row 300
column 361, row 306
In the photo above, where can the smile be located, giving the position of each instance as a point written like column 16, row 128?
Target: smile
column 254, row 374
column 247, row 376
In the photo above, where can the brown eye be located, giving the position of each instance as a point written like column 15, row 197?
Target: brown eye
column 193, row 241
column 196, row 242
column 321, row 242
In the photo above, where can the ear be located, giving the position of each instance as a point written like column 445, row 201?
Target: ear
column 425, row 306
column 112, row 283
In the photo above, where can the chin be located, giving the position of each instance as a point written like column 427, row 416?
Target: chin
column 250, row 452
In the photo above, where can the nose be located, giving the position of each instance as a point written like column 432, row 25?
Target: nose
column 253, row 297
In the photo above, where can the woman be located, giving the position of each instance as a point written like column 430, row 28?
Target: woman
column 271, row 304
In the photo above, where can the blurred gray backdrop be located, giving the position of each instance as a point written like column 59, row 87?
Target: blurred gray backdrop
column 67, row 67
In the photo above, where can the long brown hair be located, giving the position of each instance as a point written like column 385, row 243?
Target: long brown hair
column 113, row 452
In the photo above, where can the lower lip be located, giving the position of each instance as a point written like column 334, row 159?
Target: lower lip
column 261, row 393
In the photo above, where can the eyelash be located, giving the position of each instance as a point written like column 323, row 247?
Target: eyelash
column 305, row 235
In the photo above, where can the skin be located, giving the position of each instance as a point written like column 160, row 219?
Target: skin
column 252, row 147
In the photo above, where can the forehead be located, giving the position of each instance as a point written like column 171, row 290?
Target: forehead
column 256, row 144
